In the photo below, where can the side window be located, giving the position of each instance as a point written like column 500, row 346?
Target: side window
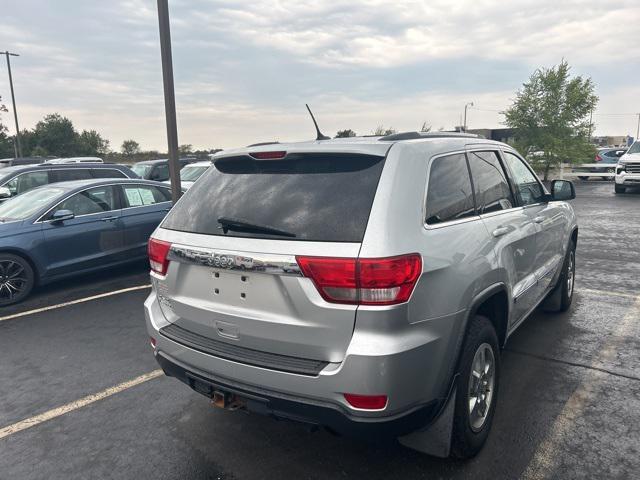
column 526, row 184
column 107, row 173
column 489, row 182
column 141, row 195
column 71, row 174
column 449, row 194
column 160, row 173
column 94, row 200
column 27, row 181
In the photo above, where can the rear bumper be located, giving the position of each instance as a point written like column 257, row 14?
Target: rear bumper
column 411, row 366
column 302, row 410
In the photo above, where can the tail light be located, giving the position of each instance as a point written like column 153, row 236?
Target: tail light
column 598, row 157
column 277, row 155
column 366, row 402
column 363, row 281
column 158, row 251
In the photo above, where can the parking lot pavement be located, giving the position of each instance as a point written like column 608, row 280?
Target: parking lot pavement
column 569, row 405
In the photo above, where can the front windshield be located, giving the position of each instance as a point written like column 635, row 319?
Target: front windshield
column 191, row 174
column 141, row 169
column 25, row 205
column 635, row 148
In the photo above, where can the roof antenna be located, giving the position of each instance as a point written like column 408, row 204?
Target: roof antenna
column 320, row 135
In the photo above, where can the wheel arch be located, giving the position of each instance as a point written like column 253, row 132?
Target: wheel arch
column 492, row 303
column 27, row 258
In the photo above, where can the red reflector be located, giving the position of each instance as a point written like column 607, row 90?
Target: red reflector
column 366, row 402
column 152, row 341
column 158, row 251
column 268, row 155
column 364, row 281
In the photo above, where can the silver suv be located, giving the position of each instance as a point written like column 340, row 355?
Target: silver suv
column 365, row 285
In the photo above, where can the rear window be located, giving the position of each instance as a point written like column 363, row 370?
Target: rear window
column 316, row 197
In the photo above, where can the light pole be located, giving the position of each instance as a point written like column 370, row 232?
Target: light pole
column 16, row 145
column 638, row 128
column 169, row 98
column 470, row 104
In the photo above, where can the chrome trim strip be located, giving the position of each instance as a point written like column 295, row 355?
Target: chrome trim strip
column 238, row 261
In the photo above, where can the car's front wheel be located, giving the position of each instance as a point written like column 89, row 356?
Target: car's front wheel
column 620, row 188
column 16, row 279
column 477, row 388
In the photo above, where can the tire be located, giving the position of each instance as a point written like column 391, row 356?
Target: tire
column 471, row 425
column 584, row 178
column 16, row 279
column 620, row 189
column 567, row 278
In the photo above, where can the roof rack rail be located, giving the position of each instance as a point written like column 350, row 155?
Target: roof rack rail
column 262, row 144
column 417, row 135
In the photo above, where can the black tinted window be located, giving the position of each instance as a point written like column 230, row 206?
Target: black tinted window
column 322, row 197
column 160, row 173
column 489, row 182
column 107, row 173
column 71, row 174
column 94, row 200
column 526, row 184
column 449, row 194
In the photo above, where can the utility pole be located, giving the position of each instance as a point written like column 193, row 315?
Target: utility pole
column 16, row 145
column 638, row 128
column 464, row 127
column 169, row 98
column 590, row 124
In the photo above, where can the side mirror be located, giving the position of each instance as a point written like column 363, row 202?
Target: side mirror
column 562, row 190
column 620, row 153
column 5, row 193
column 60, row 216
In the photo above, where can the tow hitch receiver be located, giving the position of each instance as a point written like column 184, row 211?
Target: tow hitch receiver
column 228, row 401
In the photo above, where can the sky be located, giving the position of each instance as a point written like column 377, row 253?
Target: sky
column 244, row 70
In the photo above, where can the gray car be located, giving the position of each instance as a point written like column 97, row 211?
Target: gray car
column 366, row 285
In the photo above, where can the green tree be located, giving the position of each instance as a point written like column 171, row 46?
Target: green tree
column 130, row 147
column 551, row 115
column 185, row 149
column 346, row 133
column 56, row 135
column 91, row 144
column 6, row 143
column 382, row 131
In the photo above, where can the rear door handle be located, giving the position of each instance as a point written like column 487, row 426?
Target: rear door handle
column 538, row 219
column 498, row 232
column 108, row 219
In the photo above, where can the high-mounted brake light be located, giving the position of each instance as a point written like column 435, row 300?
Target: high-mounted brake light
column 363, row 281
column 158, row 251
column 276, row 155
column 366, row 402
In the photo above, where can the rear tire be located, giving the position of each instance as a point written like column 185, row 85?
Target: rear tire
column 620, row 188
column 477, row 389
column 16, row 279
column 583, row 178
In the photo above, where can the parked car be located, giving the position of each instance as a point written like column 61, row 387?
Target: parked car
column 628, row 169
column 364, row 284
column 157, row 170
column 76, row 160
column 190, row 173
column 607, row 157
column 10, row 162
column 68, row 228
column 17, row 180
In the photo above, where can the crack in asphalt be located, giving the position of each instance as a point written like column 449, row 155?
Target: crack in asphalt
column 573, row 364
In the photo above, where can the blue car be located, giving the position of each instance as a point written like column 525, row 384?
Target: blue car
column 70, row 228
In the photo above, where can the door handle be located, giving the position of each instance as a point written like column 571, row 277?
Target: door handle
column 498, row 232
column 538, row 219
column 108, row 219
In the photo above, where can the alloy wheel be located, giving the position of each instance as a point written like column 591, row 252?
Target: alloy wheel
column 481, row 386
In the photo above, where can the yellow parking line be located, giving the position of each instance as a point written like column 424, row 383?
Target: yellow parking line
column 73, row 302
column 75, row 405
column 607, row 293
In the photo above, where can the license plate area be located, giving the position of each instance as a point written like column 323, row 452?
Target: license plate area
column 232, row 287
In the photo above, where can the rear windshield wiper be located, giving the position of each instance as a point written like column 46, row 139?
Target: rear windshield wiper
column 240, row 225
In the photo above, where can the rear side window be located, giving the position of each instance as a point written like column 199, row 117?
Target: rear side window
column 318, row 197
column 107, row 173
column 71, row 174
column 160, row 173
column 489, row 182
column 449, row 194
column 142, row 195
